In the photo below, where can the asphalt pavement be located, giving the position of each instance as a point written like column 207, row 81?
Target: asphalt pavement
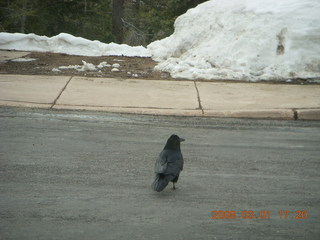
column 87, row 175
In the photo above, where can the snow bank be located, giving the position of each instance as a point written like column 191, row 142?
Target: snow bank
column 219, row 39
column 66, row 43
column 244, row 40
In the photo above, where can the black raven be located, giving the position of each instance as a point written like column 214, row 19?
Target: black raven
column 168, row 164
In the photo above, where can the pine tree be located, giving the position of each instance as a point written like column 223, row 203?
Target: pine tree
column 117, row 16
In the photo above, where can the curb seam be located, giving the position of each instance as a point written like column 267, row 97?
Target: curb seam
column 198, row 96
column 62, row 90
column 295, row 114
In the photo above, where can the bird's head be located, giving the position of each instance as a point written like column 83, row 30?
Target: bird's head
column 174, row 142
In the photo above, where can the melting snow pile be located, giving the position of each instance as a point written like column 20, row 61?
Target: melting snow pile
column 66, row 43
column 80, row 68
column 26, row 59
column 245, row 40
column 219, row 39
column 88, row 67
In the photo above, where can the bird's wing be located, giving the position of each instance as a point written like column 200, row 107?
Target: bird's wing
column 161, row 163
column 174, row 163
column 169, row 162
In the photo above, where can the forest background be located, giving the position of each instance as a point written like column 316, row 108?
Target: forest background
column 133, row 22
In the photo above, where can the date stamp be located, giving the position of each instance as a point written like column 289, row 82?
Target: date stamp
column 265, row 214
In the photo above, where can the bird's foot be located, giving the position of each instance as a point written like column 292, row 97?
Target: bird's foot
column 174, row 187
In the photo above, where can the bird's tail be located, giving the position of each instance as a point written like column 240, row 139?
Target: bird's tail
column 160, row 182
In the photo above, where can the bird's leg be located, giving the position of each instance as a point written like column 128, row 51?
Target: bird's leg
column 174, row 187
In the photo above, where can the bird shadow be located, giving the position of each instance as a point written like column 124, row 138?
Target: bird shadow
column 166, row 193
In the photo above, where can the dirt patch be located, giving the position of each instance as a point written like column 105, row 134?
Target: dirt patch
column 49, row 63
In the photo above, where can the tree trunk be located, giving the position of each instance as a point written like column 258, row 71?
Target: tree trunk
column 23, row 17
column 85, row 7
column 137, row 6
column 117, row 24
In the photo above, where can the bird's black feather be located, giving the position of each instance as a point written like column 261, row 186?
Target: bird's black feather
column 168, row 164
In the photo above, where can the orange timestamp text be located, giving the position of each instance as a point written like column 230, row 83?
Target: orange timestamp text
column 250, row 214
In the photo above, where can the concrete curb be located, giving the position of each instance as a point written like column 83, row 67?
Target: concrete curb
column 272, row 114
column 135, row 110
column 174, row 98
column 24, row 104
column 308, row 114
column 284, row 114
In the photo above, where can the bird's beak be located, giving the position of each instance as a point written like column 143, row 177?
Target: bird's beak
column 182, row 139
